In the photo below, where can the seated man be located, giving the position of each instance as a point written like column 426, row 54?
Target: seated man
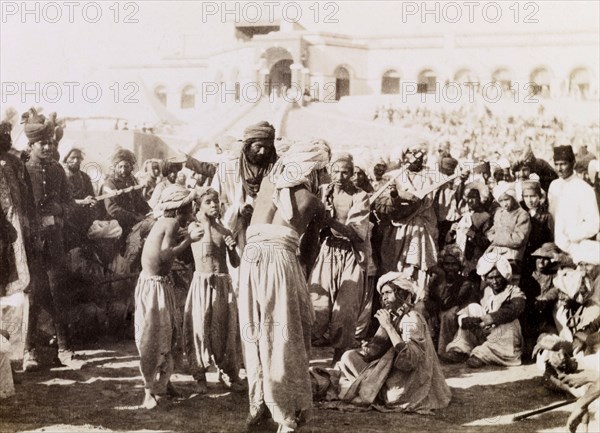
column 399, row 364
column 490, row 332
column 449, row 292
column 541, row 296
column 577, row 319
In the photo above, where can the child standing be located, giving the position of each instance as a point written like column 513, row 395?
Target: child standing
column 210, row 317
column 155, row 310
column 469, row 232
column 542, row 227
column 508, row 235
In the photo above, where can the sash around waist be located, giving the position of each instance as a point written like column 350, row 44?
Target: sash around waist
column 270, row 235
column 158, row 278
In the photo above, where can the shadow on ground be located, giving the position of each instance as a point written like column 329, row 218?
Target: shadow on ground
column 105, row 395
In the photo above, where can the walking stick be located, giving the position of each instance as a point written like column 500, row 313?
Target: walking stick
column 524, row 415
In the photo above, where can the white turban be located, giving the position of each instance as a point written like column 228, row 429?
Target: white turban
column 400, row 280
column 569, row 281
column 175, row 196
column 504, row 188
column 489, row 261
column 295, row 168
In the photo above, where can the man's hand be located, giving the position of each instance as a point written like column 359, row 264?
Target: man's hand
column 247, row 212
column 579, row 378
column 230, row 242
column 196, row 231
column 384, row 318
column 89, row 201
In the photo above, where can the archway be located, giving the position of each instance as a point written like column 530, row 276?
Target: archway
column 390, row 82
column 161, row 94
column 502, row 77
column 280, row 76
column 579, row 83
column 541, row 78
column 342, row 82
column 188, row 97
column 426, row 81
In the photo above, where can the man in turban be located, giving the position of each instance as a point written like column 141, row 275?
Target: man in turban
column 378, row 178
column 490, row 332
column 446, row 198
column 149, row 176
column 129, row 208
column 157, row 324
column 170, row 170
column 399, row 364
column 237, row 181
column 338, row 278
column 449, row 291
column 274, row 303
column 408, row 227
column 573, row 206
column 53, row 204
column 527, row 163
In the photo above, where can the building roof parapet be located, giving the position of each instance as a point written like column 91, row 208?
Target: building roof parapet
column 167, row 62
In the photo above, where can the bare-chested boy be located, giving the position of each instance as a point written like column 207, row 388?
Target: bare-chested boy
column 274, row 303
column 210, row 325
column 155, row 310
column 338, row 281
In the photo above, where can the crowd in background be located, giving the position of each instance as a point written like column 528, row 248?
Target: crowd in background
column 487, row 247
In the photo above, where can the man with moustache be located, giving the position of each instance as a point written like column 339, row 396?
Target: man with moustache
column 338, row 278
column 573, row 206
column 237, row 181
column 53, row 203
column 129, row 208
column 274, row 303
column 409, row 234
column 82, row 215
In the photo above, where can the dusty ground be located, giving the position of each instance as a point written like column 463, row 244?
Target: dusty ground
column 104, row 397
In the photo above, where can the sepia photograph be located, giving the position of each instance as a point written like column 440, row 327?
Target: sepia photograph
column 300, row 216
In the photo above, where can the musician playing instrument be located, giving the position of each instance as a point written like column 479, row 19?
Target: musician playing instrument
column 407, row 231
column 127, row 209
column 398, row 367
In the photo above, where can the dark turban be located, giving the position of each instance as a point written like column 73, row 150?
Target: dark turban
column 260, row 131
column 37, row 131
column 564, row 153
column 482, row 168
column 123, row 155
column 448, row 164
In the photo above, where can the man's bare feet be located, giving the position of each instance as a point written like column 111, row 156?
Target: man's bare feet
column 236, row 384
column 150, row 401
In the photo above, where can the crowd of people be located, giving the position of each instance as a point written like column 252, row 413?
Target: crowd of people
column 290, row 245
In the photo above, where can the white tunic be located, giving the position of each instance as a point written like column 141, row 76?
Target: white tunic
column 573, row 206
